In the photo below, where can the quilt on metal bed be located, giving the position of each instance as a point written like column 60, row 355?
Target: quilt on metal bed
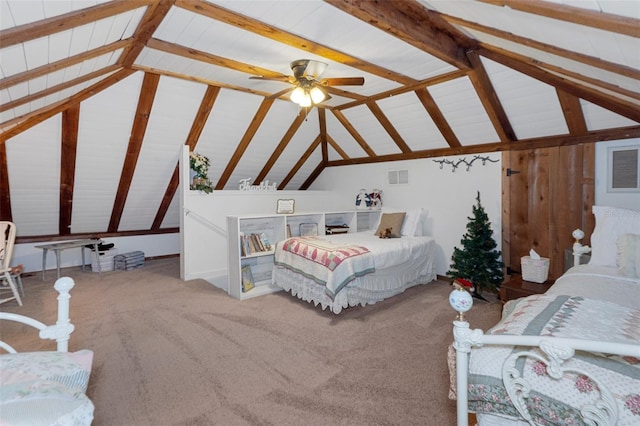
column 570, row 356
column 46, row 387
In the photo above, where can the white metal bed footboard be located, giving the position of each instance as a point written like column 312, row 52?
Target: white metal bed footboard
column 556, row 350
column 61, row 331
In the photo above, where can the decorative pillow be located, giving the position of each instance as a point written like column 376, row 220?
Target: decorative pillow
column 629, row 255
column 391, row 221
column 611, row 222
column 412, row 225
column 69, row 369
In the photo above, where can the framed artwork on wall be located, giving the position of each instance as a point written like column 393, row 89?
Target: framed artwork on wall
column 285, row 206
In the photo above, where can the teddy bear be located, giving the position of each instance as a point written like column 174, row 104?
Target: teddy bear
column 386, row 233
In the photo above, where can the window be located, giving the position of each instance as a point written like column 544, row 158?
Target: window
column 398, row 177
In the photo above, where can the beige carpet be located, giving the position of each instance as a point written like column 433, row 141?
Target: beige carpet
column 169, row 352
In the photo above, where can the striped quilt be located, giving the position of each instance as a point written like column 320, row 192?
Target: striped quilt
column 329, row 264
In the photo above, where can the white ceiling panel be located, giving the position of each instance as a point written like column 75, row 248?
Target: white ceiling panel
column 599, row 118
column 307, row 168
column 35, row 189
column 103, row 137
column 410, row 119
column 229, row 118
column 175, row 104
column 464, row 112
column 264, row 142
column 531, row 106
column 370, row 129
column 343, row 138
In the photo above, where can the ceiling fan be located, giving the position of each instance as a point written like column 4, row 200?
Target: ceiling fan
column 309, row 89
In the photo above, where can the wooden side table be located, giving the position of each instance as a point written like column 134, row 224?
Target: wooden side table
column 515, row 287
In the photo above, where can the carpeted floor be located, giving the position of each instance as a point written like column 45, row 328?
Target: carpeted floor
column 169, row 352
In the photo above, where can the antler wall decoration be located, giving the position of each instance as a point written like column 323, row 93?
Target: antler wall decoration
column 455, row 164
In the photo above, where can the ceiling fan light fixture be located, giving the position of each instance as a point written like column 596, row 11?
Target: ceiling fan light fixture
column 305, row 102
column 297, row 95
column 317, row 95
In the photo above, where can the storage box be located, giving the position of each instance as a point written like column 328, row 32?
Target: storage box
column 129, row 261
column 104, row 259
column 534, row 270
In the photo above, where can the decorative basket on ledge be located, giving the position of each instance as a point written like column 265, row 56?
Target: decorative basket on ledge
column 534, row 270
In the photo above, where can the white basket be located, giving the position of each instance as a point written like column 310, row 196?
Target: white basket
column 105, row 258
column 534, row 270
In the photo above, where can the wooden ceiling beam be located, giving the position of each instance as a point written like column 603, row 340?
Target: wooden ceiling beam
column 405, row 89
column 61, row 64
column 282, row 145
column 300, row 162
column 489, row 98
column 521, row 64
column 573, row 115
column 410, row 22
column 335, row 145
column 68, row 150
column 153, row 17
column 523, row 144
column 67, row 21
column 206, row 105
column 313, row 176
column 143, row 112
column 386, row 124
column 544, row 47
column 197, row 55
column 577, row 15
column 5, row 194
column 322, row 124
column 221, row 14
column 22, row 123
column 438, row 118
column 353, row 132
column 58, row 88
column 244, row 142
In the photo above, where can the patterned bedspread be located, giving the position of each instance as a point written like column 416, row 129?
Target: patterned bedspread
column 557, row 402
column 327, row 263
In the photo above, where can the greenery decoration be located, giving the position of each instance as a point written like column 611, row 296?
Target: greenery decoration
column 200, row 165
column 478, row 261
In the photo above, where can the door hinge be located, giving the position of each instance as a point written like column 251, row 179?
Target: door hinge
column 512, row 172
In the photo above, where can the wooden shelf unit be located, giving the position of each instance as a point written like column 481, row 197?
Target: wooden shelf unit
column 274, row 227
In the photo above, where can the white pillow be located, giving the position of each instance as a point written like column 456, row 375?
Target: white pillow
column 629, row 255
column 412, row 225
column 611, row 222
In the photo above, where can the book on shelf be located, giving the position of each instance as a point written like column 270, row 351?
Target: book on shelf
column 247, row 279
column 254, row 243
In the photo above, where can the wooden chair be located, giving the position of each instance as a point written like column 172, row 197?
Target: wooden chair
column 7, row 241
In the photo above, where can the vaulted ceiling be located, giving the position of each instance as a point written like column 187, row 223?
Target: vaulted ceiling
column 98, row 97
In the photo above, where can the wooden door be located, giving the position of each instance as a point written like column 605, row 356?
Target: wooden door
column 546, row 194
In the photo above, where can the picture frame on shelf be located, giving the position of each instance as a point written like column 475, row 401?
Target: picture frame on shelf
column 308, row 229
column 285, row 206
column 247, row 279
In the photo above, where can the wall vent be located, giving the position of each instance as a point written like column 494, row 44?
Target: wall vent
column 623, row 169
column 398, row 177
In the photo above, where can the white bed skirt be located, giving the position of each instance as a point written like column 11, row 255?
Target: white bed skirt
column 365, row 290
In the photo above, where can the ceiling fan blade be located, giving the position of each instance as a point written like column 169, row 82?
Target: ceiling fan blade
column 284, row 78
column 342, row 81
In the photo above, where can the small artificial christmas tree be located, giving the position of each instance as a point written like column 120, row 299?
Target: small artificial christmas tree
column 478, row 261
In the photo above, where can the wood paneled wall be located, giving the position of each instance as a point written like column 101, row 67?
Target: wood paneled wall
column 546, row 194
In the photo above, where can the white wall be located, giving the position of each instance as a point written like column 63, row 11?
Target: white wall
column 151, row 245
column 447, row 197
column 626, row 200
